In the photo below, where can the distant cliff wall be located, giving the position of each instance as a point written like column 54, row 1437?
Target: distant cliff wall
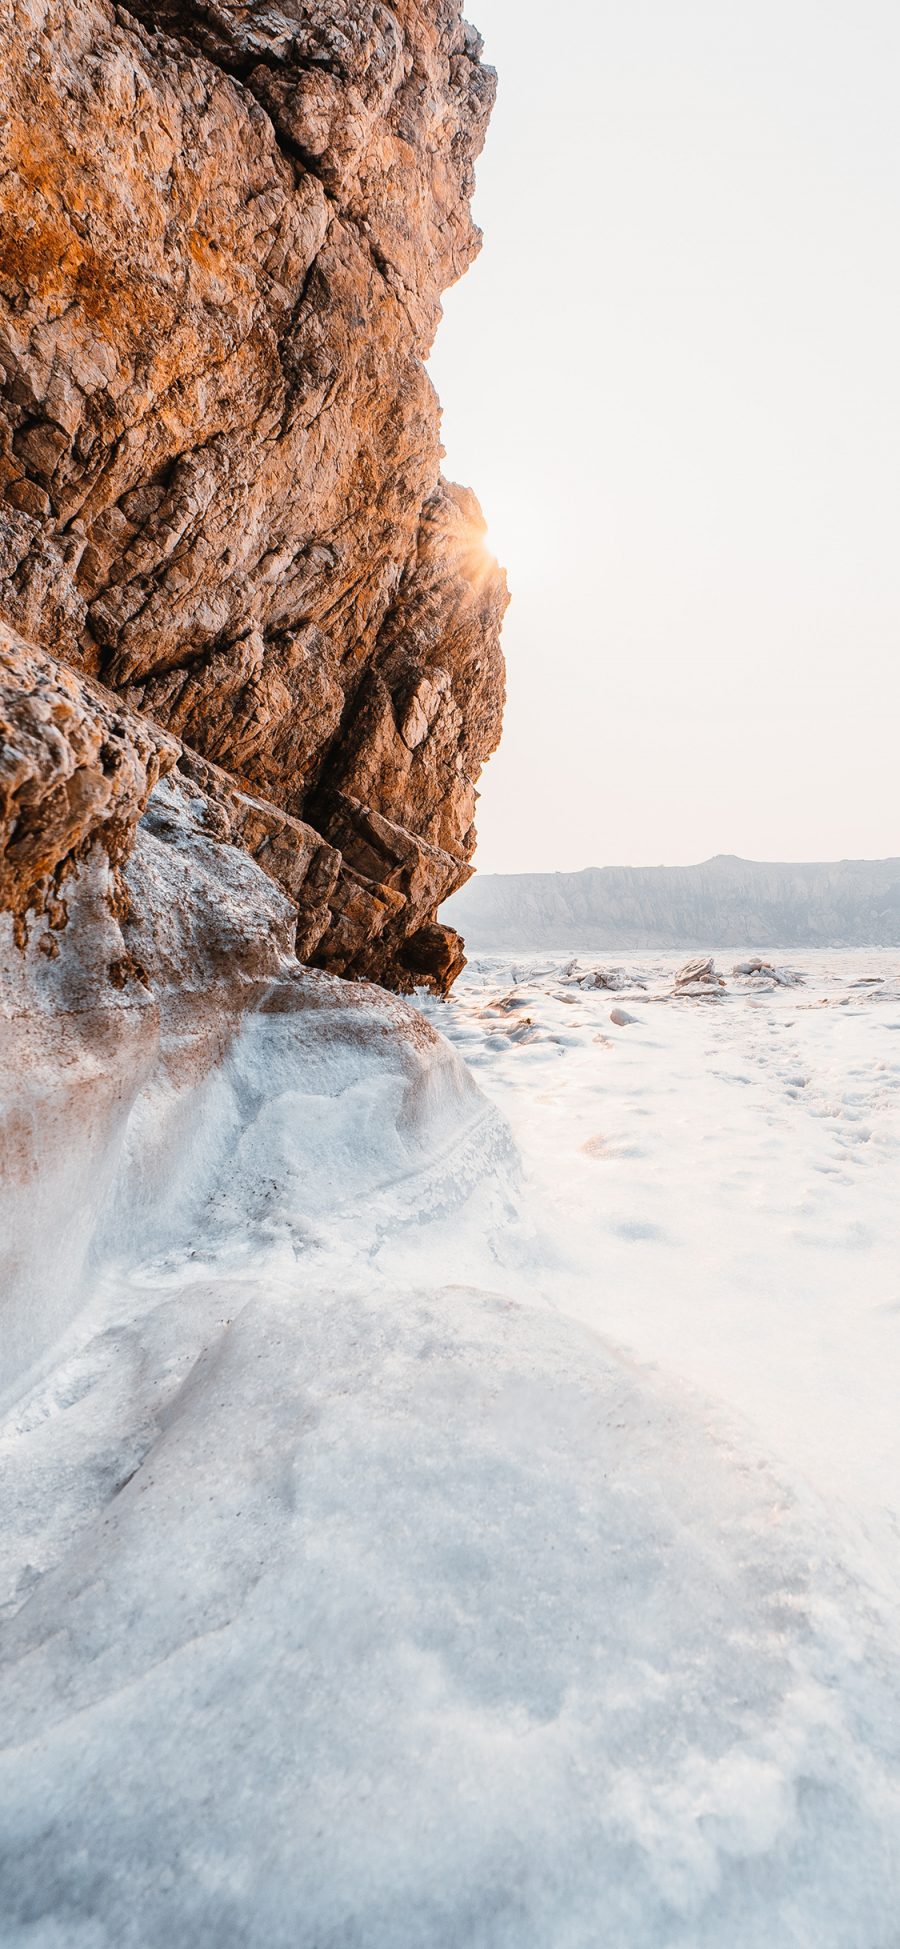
column 224, row 232
column 725, row 902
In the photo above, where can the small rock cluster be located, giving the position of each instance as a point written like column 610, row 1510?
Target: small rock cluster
column 698, row 977
column 761, row 974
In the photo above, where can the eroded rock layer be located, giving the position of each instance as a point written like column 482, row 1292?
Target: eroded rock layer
column 224, row 232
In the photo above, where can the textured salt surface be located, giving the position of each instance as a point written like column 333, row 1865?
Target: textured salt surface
column 719, row 1180
column 421, row 1540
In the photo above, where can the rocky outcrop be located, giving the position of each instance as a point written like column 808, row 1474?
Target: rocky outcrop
column 75, row 771
column 224, row 232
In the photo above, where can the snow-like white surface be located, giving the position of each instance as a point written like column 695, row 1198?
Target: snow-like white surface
column 422, row 1541
column 717, row 1183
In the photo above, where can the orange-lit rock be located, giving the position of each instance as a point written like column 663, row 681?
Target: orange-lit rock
column 224, row 232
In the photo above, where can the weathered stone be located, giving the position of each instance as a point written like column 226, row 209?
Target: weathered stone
column 292, row 853
column 224, row 233
column 74, row 769
column 701, row 973
column 436, row 951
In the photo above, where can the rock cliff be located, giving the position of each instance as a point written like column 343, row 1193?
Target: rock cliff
column 226, row 549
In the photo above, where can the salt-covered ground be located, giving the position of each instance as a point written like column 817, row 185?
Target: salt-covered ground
column 429, row 1535
column 717, row 1184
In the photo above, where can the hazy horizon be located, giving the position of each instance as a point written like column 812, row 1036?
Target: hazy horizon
column 672, row 379
column 675, row 866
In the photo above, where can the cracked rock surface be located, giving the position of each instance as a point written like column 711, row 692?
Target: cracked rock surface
column 224, row 233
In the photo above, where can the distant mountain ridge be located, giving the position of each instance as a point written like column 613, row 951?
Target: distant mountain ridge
column 724, row 902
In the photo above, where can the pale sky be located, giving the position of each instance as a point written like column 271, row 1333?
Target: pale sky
column 673, row 379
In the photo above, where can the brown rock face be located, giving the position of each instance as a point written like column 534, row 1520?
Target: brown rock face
column 224, row 231
column 74, row 770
